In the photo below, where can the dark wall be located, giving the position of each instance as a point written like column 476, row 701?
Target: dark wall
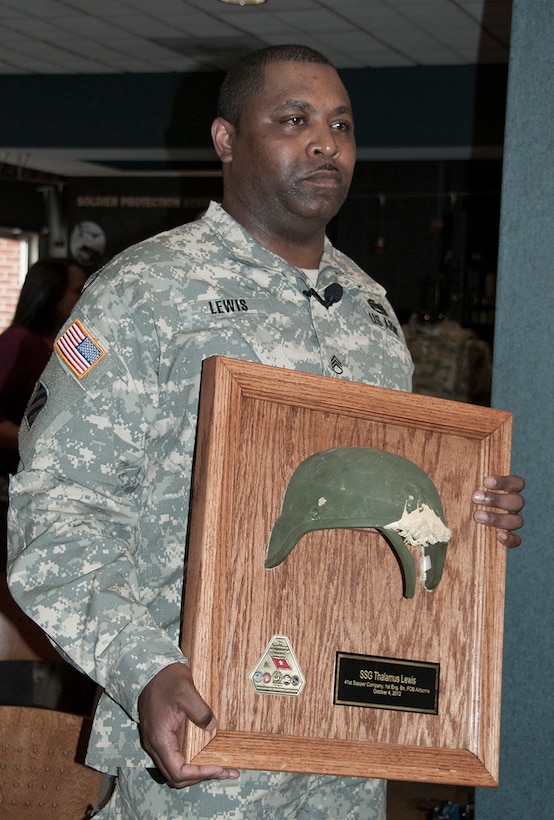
column 427, row 211
column 417, row 225
column 120, row 211
column 413, row 226
column 394, row 107
column 21, row 205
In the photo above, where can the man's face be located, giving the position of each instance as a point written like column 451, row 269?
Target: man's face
column 292, row 157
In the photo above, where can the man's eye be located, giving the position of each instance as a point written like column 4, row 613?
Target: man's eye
column 296, row 120
column 341, row 126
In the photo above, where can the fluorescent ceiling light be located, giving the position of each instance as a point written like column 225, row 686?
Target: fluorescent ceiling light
column 243, row 2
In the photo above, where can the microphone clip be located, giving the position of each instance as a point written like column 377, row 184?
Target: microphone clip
column 331, row 295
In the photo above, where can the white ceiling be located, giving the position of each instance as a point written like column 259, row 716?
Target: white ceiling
column 115, row 36
column 56, row 37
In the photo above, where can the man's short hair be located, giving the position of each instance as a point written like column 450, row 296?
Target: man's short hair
column 246, row 78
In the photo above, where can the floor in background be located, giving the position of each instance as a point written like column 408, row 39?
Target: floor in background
column 404, row 798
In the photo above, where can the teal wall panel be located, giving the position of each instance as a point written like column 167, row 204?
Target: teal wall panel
column 524, row 383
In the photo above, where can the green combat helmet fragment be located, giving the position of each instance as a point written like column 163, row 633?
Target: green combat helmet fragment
column 353, row 487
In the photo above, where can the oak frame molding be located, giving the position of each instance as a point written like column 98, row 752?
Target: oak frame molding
column 256, row 423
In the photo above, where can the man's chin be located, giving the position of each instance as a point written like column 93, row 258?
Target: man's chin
column 324, row 205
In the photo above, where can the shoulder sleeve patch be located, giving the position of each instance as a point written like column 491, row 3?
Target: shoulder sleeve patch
column 77, row 348
column 36, row 403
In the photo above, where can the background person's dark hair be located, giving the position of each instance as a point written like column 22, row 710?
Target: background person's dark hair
column 42, row 291
column 246, row 77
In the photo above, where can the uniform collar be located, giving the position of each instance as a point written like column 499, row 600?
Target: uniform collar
column 334, row 265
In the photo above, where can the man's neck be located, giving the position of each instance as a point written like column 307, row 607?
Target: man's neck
column 300, row 245
column 300, row 254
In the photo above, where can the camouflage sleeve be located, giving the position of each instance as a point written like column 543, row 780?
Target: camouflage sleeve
column 76, row 563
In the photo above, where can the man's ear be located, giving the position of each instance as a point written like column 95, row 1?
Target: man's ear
column 222, row 137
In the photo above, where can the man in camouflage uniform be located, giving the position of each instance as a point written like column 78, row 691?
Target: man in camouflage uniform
column 99, row 509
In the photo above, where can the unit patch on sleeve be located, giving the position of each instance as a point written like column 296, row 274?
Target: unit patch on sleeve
column 36, row 403
column 78, row 349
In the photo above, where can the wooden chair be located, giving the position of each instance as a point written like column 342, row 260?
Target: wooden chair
column 40, row 773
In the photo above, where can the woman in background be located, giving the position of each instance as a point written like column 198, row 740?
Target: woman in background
column 48, row 295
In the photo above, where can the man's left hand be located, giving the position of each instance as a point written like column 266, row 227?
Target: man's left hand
column 501, row 493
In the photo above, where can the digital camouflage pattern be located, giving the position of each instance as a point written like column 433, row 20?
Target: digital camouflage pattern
column 256, row 796
column 99, row 507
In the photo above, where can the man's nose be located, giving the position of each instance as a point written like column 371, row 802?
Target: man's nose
column 324, row 144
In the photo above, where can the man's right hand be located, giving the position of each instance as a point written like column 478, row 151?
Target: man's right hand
column 164, row 703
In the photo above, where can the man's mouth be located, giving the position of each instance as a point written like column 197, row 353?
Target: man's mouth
column 326, row 177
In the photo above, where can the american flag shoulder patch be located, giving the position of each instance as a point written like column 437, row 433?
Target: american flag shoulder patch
column 78, row 349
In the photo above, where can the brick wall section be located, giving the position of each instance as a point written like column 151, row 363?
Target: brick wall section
column 11, row 251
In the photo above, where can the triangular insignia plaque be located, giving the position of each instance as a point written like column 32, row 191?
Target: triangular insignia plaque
column 277, row 672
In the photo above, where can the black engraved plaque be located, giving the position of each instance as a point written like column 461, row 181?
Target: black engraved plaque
column 386, row 683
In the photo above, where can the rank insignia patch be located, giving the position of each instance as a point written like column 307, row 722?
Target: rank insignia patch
column 78, row 349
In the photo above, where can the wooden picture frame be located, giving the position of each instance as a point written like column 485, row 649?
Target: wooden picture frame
column 340, row 591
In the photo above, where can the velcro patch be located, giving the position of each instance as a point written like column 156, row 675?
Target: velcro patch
column 78, row 349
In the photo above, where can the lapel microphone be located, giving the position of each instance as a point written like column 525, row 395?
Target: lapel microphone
column 331, row 295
